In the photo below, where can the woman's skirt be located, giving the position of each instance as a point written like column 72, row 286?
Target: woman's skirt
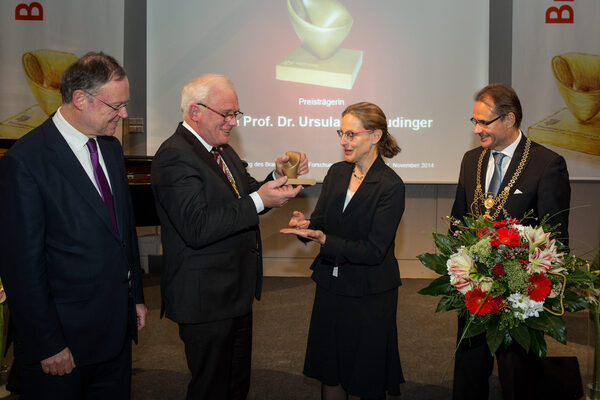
column 353, row 341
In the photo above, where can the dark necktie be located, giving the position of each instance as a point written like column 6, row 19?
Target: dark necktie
column 497, row 176
column 217, row 157
column 105, row 192
column 219, row 160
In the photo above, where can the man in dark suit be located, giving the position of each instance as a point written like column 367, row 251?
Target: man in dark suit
column 67, row 237
column 524, row 176
column 208, row 206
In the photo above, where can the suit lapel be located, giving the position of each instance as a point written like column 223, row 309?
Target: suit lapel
column 514, row 163
column 485, row 163
column 62, row 157
column 363, row 191
column 236, row 172
column 205, row 156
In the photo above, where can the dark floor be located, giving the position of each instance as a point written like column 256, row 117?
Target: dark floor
column 281, row 318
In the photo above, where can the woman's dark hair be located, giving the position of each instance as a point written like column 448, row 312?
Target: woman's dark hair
column 372, row 117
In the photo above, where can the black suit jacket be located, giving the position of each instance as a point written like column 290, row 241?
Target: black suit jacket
column 63, row 265
column 543, row 186
column 360, row 239
column 211, row 241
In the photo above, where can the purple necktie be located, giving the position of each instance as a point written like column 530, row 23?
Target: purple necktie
column 102, row 182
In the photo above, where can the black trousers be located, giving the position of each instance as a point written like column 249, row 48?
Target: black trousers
column 219, row 355
column 106, row 380
column 519, row 372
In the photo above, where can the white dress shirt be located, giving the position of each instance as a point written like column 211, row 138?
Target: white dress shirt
column 509, row 152
column 77, row 142
column 258, row 203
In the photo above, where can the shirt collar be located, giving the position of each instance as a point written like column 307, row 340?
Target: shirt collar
column 510, row 149
column 189, row 128
column 76, row 139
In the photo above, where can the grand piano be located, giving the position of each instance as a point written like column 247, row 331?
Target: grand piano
column 138, row 175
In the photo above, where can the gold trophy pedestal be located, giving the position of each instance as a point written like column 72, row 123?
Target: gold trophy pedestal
column 562, row 129
column 18, row 125
column 338, row 71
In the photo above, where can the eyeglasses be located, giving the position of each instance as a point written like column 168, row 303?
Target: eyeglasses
column 228, row 117
column 117, row 108
column 350, row 134
column 485, row 123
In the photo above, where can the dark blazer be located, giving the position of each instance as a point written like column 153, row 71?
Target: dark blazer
column 63, row 265
column 211, row 242
column 360, row 239
column 543, row 185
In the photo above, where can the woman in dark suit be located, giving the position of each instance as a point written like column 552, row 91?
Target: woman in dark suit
column 353, row 342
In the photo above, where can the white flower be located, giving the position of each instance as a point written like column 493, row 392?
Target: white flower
column 544, row 258
column 460, row 264
column 558, row 257
column 463, row 284
column 536, row 237
column 523, row 307
column 485, row 283
column 540, row 261
column 519, row 228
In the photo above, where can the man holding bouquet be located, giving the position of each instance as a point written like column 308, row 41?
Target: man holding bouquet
column 519, row 176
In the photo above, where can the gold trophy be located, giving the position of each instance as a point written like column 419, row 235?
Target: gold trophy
column 290, row 169
column 576, row 127
column 321, row 25
column 43, row 70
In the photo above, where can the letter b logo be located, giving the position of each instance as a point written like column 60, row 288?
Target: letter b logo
column 32, row 12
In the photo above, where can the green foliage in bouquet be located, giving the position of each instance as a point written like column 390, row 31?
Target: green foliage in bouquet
column 511, row 282
column 592, row 294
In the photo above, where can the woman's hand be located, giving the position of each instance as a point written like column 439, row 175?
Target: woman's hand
column 310, row 234
column 298, row 221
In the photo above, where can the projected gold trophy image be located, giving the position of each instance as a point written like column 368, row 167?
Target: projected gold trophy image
column 576, row 127
column 290, row 169
column 43, row 70
column 322, row 26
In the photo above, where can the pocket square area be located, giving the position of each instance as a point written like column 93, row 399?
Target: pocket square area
column 517, row 191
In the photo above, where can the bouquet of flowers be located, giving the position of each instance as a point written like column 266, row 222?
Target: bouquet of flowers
column 512, row 282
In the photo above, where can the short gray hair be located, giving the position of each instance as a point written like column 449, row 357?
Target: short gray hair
column 198, row 90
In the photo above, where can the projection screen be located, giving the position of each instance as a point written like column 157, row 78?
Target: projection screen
column 296, row 64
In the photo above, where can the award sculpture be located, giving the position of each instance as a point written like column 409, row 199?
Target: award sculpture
column 290, row 169
column 321, row 25
column 43, row 70
column 576, row 127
